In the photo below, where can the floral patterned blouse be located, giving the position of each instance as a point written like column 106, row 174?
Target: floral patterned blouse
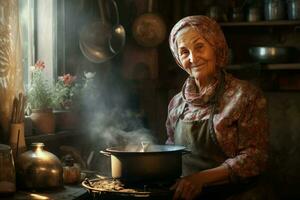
column 240, row 124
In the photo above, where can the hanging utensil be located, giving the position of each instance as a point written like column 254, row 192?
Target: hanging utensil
column 101, row 41
column 149, row 29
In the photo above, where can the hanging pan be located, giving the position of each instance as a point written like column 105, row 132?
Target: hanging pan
column 102, row 40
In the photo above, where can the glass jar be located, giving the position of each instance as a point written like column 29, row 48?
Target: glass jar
column 274, row 10
column 237, row 15
column 254, row 14
column 293, row 8
column 7, row 171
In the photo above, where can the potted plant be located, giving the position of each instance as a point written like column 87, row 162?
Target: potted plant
column 39, row 102
column 69, row 92
column 65, row 98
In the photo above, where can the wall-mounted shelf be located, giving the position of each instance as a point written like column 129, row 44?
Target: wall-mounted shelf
column 279, row 66
column 263, row 23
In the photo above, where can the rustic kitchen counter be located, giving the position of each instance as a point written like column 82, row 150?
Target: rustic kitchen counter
column 65, row 193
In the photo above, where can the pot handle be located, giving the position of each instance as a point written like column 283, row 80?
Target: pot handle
column 87, row 182
column 186, row 151
column 105, row 153
column 101, row 5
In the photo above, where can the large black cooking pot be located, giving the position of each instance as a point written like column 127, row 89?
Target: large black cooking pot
column 155, row 163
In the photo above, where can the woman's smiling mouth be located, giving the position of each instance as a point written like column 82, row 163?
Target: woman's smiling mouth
column 198, row 67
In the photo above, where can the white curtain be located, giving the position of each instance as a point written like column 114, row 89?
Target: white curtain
column 11, row 70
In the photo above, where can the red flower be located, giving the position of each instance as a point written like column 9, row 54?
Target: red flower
column 67, row 79
column 39, row 64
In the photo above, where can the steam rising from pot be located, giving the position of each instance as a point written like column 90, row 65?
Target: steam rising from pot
column 118, row 128
column 106, row 116
column 109, row 119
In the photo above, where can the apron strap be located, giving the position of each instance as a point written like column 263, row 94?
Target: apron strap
column 214, row 102
column 181, row 111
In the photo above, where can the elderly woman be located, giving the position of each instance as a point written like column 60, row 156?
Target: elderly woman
column 221, row 119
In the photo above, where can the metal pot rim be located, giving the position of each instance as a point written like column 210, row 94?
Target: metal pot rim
column 154, row 149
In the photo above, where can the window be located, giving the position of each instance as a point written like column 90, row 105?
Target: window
column 26, row 11
column 39, row 33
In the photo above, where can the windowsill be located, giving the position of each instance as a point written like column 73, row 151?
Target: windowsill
column 52, row 137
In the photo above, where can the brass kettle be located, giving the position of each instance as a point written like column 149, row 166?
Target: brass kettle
column 39, row 169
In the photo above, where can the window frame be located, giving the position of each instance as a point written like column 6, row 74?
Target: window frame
column 42, row 25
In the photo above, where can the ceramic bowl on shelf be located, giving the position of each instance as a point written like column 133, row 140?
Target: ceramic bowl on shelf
column 271, row 54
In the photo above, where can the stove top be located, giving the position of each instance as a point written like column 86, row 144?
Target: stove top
column 109, row 188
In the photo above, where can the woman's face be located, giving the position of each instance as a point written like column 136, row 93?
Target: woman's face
column 196, row 55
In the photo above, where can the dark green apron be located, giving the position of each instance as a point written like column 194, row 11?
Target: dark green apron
column 200, row 138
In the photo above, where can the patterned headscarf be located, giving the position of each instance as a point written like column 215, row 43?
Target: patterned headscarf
column 209, row 30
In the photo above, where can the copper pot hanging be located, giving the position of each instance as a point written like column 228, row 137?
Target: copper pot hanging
column 100, row 41
column 149, row 29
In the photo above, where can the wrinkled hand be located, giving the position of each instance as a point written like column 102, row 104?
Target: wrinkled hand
column 188, row 187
